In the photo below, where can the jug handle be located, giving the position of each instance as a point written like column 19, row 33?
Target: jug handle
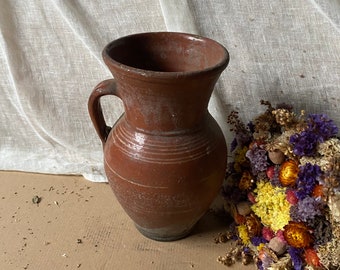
column 107, row 87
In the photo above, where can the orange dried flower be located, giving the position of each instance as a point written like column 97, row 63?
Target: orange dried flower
column 318, row 191
column 297, row 235
column 288, row 173
column 246, row 181
column 253, row 224
column 312, row 258
column 239, row 219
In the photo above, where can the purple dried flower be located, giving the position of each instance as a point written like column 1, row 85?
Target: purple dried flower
column 322, row 230
column 319, row 128
column 247, row 250
column 230, row 191
column 242, row 134
column 306, row 209
column 230, row 168
column 257, row 240
column 251, row 127
column 258, row 159
column 294, row 214
column 304, row 143
column 259, row 265
column 267, row 261
column 322, row 125
column 296, row 255
column 233, row 145
column 275, row 179
column 307, row 179
column 243, row 138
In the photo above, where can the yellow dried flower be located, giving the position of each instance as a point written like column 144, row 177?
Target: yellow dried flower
column 243, row 234
column 271, row 205
column 284, row 117
column 260, row 246
column 240, row 158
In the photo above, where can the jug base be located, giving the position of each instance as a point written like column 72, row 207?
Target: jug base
column 163, row 235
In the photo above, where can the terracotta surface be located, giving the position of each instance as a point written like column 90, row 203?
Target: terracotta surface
column 166, row 156
column 80, row 225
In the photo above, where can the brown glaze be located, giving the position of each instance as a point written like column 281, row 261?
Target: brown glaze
column 165, row 157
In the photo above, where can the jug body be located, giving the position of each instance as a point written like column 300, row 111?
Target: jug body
column 165, row 158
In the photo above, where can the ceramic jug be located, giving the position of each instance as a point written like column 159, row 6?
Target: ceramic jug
column 165, row 158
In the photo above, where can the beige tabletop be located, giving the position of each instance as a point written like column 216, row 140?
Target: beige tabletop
column 78, row 224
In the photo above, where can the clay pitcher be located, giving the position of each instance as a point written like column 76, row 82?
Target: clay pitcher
column 165, row 158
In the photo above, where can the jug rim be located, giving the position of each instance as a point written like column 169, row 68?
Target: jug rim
column 217, row 68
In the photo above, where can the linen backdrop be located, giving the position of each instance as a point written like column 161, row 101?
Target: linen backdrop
column 50, row 55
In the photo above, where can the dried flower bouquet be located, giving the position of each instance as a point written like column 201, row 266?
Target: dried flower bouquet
column 283, row 190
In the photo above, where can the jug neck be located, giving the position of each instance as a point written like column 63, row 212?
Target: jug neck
column 171, row 105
